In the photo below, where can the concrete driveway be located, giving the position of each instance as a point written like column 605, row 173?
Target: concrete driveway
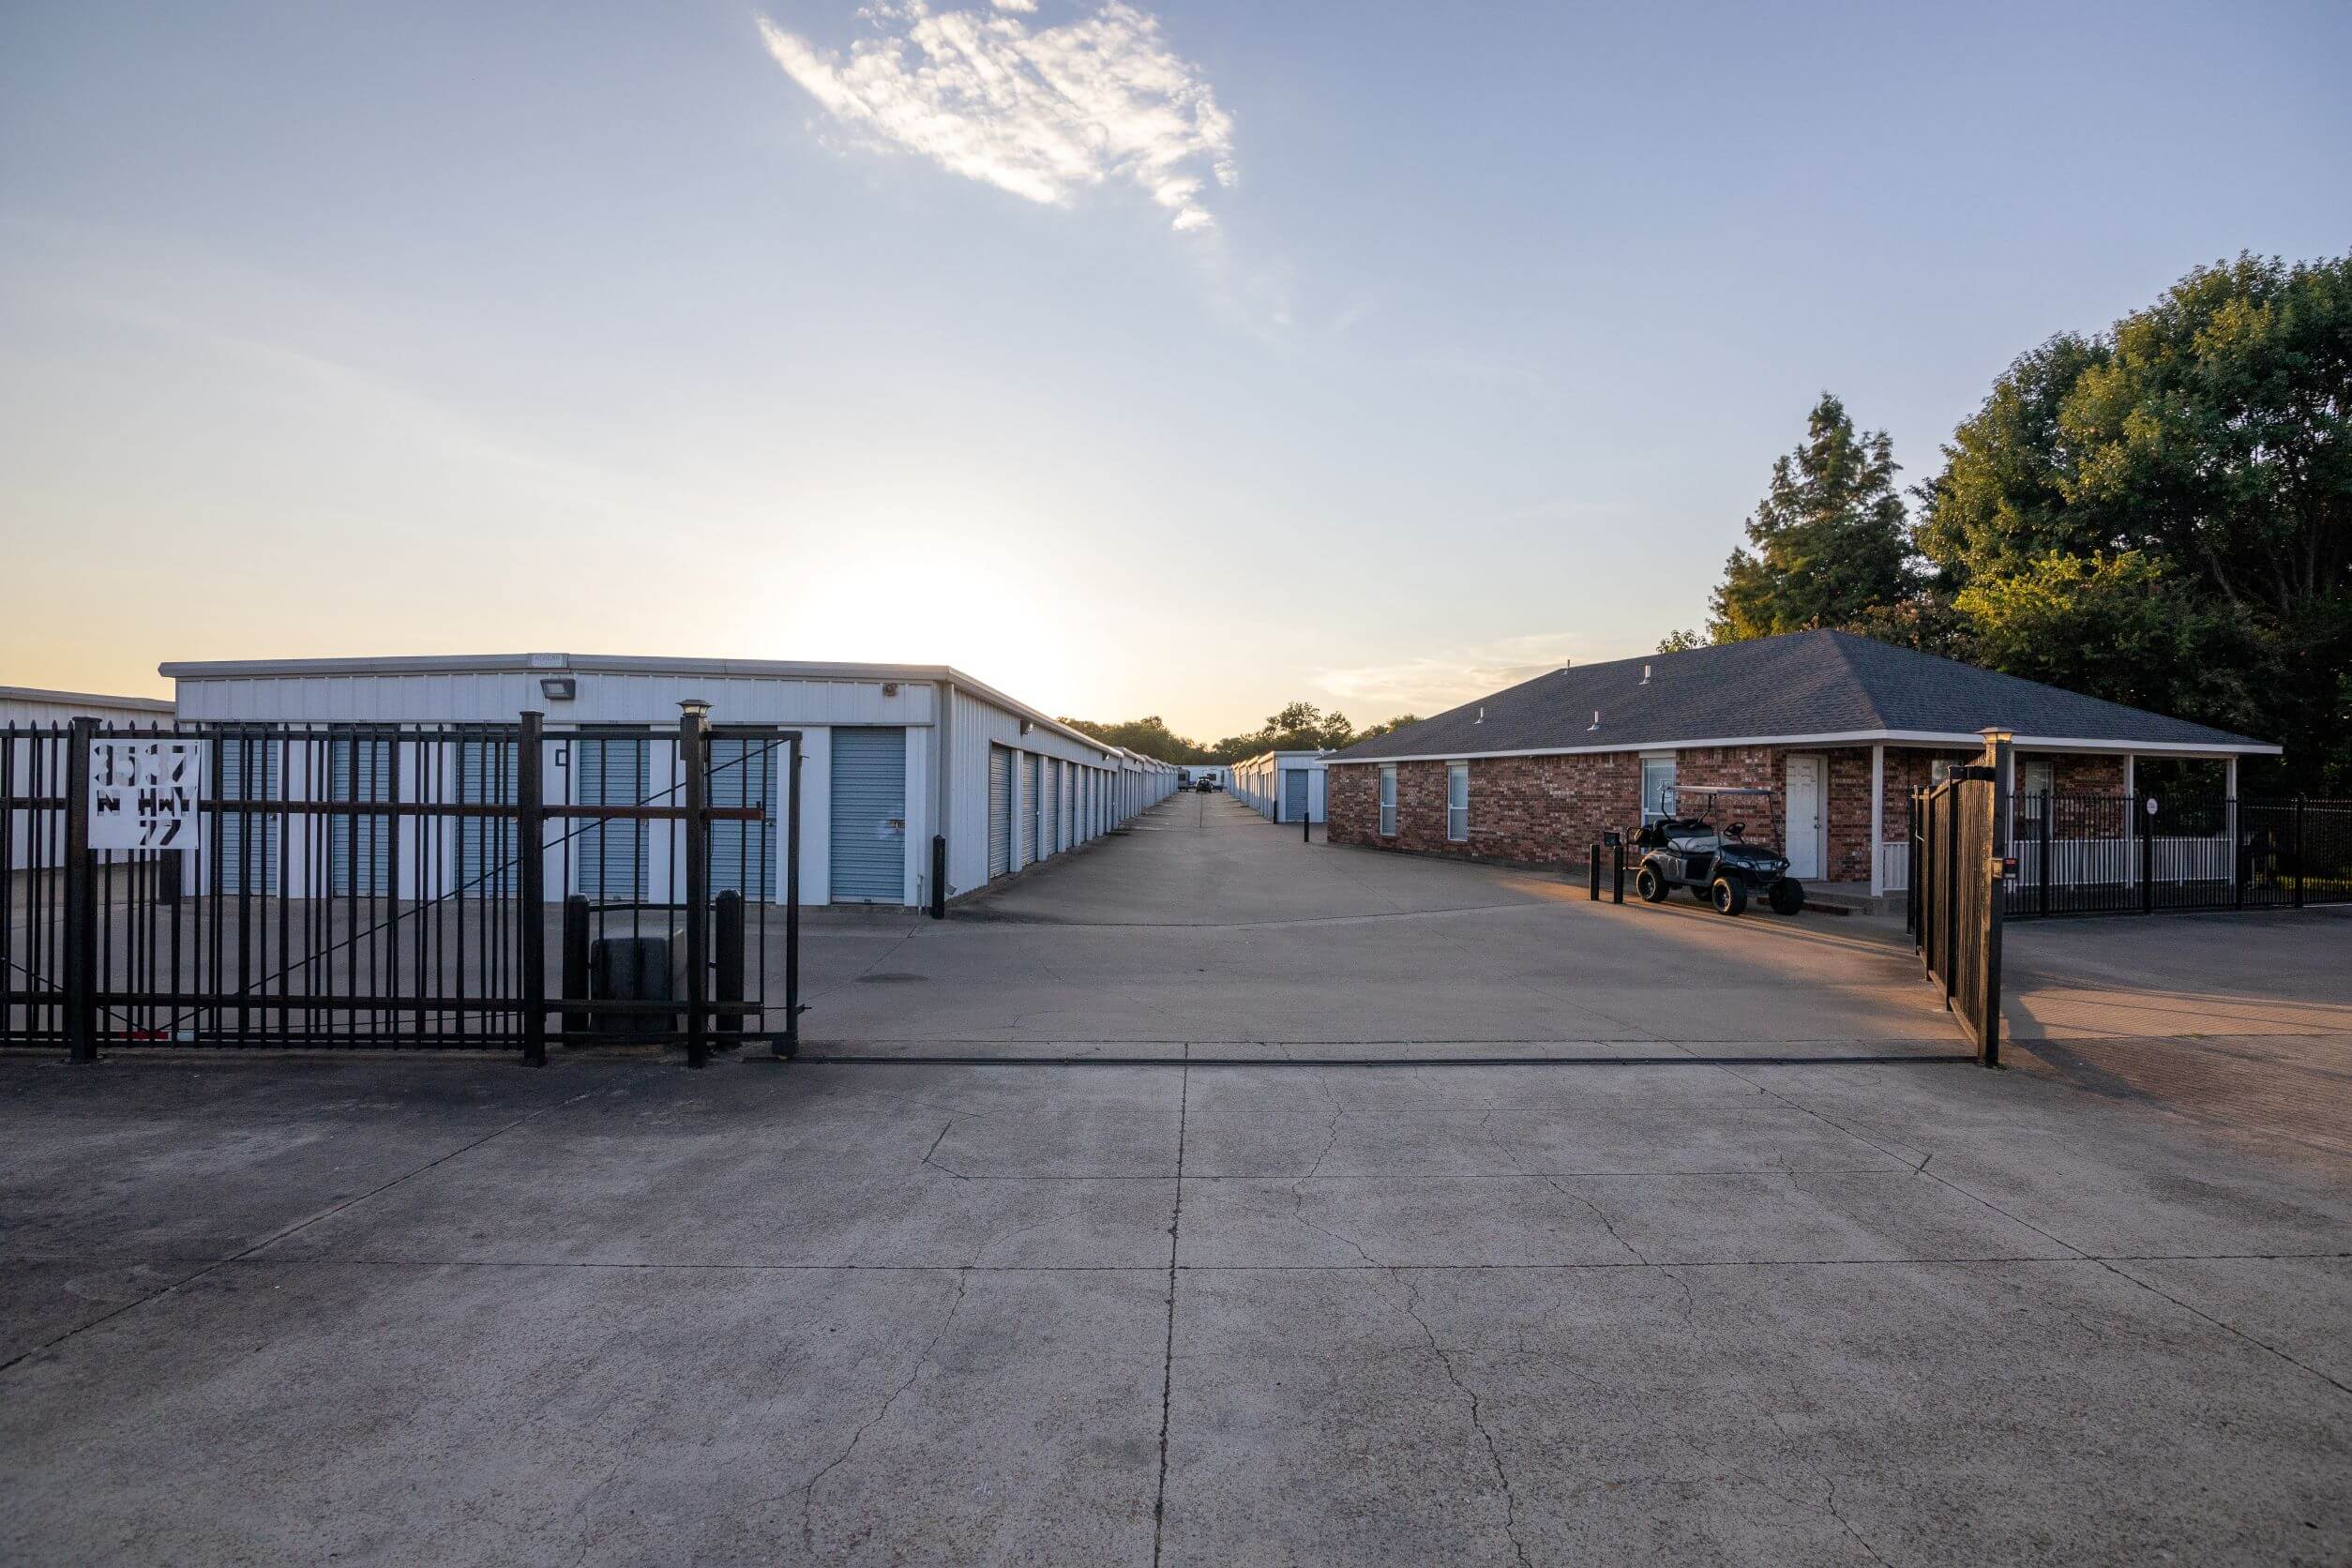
column 1715, row 1256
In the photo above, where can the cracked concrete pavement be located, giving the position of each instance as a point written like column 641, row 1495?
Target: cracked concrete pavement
column 1722, row 1306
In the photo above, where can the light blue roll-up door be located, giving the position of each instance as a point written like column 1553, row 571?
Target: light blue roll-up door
column 1033, row 805
column 869, row 816
column 1294, row 795
column 999, row 812
column 359, row 768
column 743, row 772
column 609, row 857
column 248, row 844
column 486, row 845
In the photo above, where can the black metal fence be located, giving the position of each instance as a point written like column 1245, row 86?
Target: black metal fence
column 1957, row 899
column 391, row 885
column 2144, row 854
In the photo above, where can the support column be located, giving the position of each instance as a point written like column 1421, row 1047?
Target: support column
column 1878, row 816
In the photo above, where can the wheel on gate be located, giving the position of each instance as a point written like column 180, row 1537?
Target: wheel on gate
column 1730, row 896
column 1650, row 886
column 1787, row 896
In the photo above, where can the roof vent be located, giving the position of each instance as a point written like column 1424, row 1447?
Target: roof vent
column 1644, row 674
column 1481, row 718
column 1596, row 721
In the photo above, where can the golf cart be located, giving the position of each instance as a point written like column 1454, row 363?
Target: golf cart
column 1719, row 867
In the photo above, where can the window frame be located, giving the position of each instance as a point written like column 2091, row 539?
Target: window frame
column 1649, row 759
column 1388, row 800
column 1454, row 770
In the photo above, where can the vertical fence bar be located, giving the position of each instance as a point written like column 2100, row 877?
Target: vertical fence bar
column 575, row 961
column 790, row 1047
column 696, row 844
column 2299, row 851
column 728, row 961
column 530, row 885
column 81, row 868
column 1595, row 894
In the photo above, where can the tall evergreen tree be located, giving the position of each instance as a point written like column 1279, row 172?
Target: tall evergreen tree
column 1827, row 547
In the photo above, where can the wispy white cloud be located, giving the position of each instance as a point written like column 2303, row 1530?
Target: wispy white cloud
column 1432, row 682
column 1043, row 112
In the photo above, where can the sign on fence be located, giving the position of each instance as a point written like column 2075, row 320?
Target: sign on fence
column 143, row 793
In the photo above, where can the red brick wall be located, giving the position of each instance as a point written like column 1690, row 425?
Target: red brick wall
column 1545, row 810
column 1528, row 810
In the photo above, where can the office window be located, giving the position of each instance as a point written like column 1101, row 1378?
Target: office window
column 1458, row 803
column 1657, row 788
column 1388, row 800
column 2033, row 785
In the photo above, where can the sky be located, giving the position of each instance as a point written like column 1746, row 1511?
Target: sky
column 1182, row 359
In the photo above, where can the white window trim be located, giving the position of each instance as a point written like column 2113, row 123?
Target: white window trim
column 1673, row 761
column 1450, row 837
column 1386, row 801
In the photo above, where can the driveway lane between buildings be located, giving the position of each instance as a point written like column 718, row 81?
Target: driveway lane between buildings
column 276, row 1309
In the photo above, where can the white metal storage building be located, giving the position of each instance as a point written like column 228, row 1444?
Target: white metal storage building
column 22, row 705
column 36, row 707
column 1283, row 786
column 893, row 754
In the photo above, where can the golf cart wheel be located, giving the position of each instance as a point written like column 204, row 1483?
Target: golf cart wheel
column 1787, row 896
column 1650, row 886
column 1731, row 896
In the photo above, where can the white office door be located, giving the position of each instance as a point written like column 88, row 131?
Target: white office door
column 1803, row 837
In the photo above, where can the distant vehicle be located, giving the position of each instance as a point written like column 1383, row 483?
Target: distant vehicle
column 1206, row 785
column 1719, row 868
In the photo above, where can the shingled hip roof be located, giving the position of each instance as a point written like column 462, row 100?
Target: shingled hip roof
column 1817, row 687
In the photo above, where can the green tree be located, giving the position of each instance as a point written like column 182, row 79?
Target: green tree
column 1387, row 726
column 1298, row 727
column 1827, row 545
column 1680, row 641
column 1146, row 737
column 2163, row 514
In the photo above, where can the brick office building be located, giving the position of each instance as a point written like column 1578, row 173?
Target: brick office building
column 1839, row 727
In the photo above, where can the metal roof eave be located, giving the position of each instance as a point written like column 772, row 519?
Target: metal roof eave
column 615, row 664
column 1851, row 737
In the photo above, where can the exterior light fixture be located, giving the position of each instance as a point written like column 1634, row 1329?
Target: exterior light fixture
column 695, row 707
column 890, row 689
column 559, row 688
column 1996, row 734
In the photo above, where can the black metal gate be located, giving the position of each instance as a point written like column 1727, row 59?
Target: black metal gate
column 2145, row 853
column 390, row 885
column 1957, row 898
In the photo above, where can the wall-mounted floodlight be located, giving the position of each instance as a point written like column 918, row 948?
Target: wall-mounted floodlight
column 890, row 689
column 559, row 688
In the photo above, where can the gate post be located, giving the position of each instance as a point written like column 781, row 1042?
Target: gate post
column 1616, row 867
column 790, row 1047
column 1988, row 998
column 2146, row 823
column 697, row 879
column 1595, row 897
column 531, row 883
column 81, row 934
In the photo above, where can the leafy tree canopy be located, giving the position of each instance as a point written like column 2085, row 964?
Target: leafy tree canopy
column 1827, row 543
column 2160, row 514
column 2163, row 514
column 1145, row 737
